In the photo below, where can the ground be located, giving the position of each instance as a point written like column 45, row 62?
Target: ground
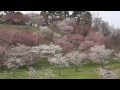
column 88, row 71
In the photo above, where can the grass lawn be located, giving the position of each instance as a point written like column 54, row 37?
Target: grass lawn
column 84, row 72
column 19, row 27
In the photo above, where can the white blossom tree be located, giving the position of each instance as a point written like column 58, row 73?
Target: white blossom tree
column 107, row 73
column 76, row 58
column 41, row 74
column 59, row 61
column 13, row 63
column 46, row 32
column 51, row 49
column 117, row 57
column 17, row 56
column 2, row 54
column 66, row 26
column 100, row 54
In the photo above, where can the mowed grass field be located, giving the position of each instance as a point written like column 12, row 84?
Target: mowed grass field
column 19, row 27
column 87, row 71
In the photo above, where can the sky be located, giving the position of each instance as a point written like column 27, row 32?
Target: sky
column 113, row 17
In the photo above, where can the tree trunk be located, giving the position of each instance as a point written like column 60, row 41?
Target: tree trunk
column 76, row 68
column 59, row 71
column 14, row 72
column 102, row 64
column 52, row 21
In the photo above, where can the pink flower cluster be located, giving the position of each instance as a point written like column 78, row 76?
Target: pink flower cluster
column 75, row 38
column 97, row 37
column 87, row 45
column 67, row 46
column 11, row 36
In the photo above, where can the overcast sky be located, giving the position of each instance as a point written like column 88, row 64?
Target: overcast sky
column 113, row 17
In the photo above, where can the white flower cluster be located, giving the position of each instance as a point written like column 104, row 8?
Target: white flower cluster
column 2, row 54
column 42, row 74
column 24, row 55
column 57, row 36
column 100, row 52
column 59, row 60
column 2, row 49
column 19, row 55
column 107, row 73
column 75, row 57
column 45, row 30
column 61, row 24
column 31, row 73
column 46, row 73
column 64, row 25
column 14, row 62
column 117, row 57
column 50, row 49
column 18, row 50
column 68, row 20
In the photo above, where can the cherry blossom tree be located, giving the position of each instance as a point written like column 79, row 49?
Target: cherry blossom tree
column 97, row 37
column 13, row 63
column 107, row 73
column 76, row 58
column 17, row 56
column 47, row 33
column 15, row 18
column 27, row 19
column 59, row 61
column 56, row 36
column 86, row 45
column 100, row 54
column 2, row 54
column 47, row 50
column 42, row 74
column 7, row 36
column 39, row 20
column 117, row 56
column 65, row 27
column 76, row 39
column 67, row 46
column 13, row 36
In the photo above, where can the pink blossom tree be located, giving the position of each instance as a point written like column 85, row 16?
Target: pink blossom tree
column 86, row 45
column 76, row 39
column 26, row 38
column 14, row 18
column 67, row 46
column 7, row 36
column 13, row 36
column 96, row 37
